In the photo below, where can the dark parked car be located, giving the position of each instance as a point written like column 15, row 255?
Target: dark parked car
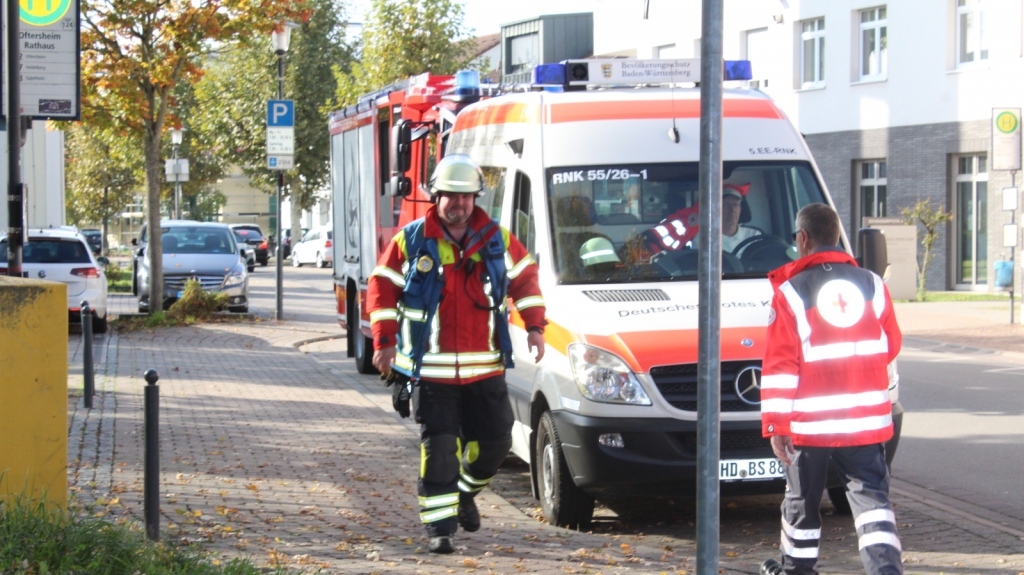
column 95, row 240
column 287, row 247
column 252, row 236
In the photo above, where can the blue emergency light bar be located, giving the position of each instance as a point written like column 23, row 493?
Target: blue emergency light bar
column 577, row 72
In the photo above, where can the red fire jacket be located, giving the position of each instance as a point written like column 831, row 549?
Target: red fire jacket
column 463, row 346
column 831, row 336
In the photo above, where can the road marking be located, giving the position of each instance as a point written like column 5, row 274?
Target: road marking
column 1005, row 369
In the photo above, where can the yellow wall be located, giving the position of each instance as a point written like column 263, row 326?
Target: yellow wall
column 33, row 388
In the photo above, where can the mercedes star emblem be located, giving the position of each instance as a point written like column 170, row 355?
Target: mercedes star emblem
column 748, row 385
column 42, row 273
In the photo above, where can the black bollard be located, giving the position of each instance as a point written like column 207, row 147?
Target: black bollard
column 88, row 368
column 151, row 481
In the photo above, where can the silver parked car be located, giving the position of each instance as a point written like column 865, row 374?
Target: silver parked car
column 205, row 251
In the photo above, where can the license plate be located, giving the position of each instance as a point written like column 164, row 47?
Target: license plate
column 749, row 469
column 179, row 294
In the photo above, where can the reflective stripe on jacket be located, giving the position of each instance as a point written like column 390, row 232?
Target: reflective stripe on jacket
column 831, row 337
column 462, row 342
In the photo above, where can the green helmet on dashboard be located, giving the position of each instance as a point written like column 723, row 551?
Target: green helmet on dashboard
column 457, row 174
column 598, row 251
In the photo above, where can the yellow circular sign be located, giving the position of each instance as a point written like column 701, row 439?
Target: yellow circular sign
column 43, row 12
column 1007, row 122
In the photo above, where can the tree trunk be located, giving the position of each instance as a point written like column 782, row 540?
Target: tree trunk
column 296, row 219
column 104, row 245
column 154, row 248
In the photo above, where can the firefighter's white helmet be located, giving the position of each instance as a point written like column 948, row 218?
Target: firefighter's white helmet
column 457, row 173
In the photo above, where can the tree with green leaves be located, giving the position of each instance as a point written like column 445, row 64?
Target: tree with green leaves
column 103, row 172
column 925, row 216
column 134, row 53
column 403, row 38
column 238, row 84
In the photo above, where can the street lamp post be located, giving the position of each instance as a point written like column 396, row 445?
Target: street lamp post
column 176, row 137
column 279, row 38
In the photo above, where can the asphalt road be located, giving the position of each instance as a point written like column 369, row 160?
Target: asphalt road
column 963, row 431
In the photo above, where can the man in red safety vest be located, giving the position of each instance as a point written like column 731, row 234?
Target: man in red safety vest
column 824, row 394
column 681, row 226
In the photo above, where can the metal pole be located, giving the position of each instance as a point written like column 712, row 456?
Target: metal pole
column 177, row 185
column 278, row 269
column 151, row 479
column 1013, row 276
column 15, row 191
column 89, row 387
column 709, row 281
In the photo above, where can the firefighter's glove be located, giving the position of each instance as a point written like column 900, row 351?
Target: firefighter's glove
column 401, row 390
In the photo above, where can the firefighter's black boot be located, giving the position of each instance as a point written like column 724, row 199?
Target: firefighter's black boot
column 771, row 567
column 469, row 516
column 441, row 545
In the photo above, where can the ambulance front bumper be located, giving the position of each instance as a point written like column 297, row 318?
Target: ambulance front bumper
column 658, row 456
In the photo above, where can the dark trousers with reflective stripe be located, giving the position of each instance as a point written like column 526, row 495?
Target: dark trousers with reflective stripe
column 465, row 434
column 866, row 477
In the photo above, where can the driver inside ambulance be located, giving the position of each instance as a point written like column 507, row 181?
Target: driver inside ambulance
column 680, row 228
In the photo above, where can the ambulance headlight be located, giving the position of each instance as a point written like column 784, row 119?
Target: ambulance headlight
column 602, row 376
column 894, row 375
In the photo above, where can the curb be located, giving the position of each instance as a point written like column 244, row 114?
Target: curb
column 302, row 342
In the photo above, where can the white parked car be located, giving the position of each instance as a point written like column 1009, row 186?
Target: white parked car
column 63, row 255
column 316, row 247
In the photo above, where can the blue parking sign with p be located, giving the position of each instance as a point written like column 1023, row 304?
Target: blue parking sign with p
column 280, row 113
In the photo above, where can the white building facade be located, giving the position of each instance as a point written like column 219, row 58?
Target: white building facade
column 894, row 99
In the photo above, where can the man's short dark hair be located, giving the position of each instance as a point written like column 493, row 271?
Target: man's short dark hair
column 821, row 224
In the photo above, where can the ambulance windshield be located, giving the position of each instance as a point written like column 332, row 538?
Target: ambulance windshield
column 640, row 222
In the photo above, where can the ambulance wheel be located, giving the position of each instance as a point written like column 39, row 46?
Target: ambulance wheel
column 839, row 501
column 562, row 502
column 363, row 344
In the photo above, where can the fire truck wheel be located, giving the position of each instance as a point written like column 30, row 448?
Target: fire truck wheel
column 839, row 501
column 562, row 502
column 364, row 345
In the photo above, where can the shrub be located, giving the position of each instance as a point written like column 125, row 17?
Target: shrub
column 196, row 304
column 36, row 538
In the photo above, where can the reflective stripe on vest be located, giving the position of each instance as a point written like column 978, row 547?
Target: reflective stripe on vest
column 843, row 350
column 418, row 306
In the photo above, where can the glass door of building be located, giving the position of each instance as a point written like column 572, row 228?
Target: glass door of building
column 972, row 220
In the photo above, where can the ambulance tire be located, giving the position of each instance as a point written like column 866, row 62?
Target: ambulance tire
column 839, row 501
column 562, row 503
column 363, row 344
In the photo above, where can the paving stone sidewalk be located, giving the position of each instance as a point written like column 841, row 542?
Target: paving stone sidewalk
column 270, row 455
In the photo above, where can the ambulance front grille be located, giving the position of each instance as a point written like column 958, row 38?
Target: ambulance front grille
column 745, row 442
column 621, row 295
column 678, row 385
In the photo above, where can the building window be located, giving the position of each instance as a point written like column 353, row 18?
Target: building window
column 812, row 53
column 970, row 33
column 873, row 194
column 761, row 55
column 524, row 53
column 873, row 44
column 972, row 219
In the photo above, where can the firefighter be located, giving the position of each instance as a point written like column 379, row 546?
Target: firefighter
column 438, row 310
column 824, row 395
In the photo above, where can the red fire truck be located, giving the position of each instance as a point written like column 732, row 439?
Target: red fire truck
column 382, row 151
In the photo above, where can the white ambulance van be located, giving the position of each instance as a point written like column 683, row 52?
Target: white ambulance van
column 580, row 175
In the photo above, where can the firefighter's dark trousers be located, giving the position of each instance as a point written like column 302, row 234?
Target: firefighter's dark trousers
column 466, row 432
column 866, row 477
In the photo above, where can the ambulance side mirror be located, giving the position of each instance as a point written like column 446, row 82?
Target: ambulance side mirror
column 872, row 250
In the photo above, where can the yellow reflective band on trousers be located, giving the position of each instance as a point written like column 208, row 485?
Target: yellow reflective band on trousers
column 439, row 500
column 439, row 514
column 472, row 451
